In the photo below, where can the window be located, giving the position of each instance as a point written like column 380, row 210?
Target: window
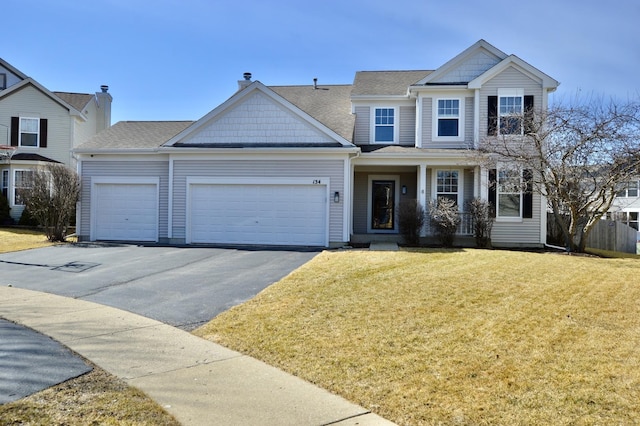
column 511, row 193
column 447, row 185
column 22, row 181
column 3, row 81
column 511, row 112
column 448, row 117
column 29, row 130
column 5, row 183
column 384, row 121
column 630, row 189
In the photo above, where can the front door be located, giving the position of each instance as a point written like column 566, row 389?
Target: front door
column 383, row 204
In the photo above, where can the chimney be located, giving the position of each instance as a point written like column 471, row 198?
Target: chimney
column 245, row 82
column 103, row 99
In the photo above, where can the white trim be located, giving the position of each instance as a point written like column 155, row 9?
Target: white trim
column 435, row 117
column 396, row 179
column 121, row 180
column 508, row 218
column 170, row 200
column 396, row 125
column 316, row 181
column 12, row 184
column 20, row 132
column 434, row 183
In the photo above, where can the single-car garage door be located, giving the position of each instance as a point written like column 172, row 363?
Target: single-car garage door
column 273, row 214
column 125, row 211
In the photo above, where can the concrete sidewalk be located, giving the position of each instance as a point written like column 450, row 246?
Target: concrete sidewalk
column 197, row 381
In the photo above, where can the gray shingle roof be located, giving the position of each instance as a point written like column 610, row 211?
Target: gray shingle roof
column 135, row 135
column 330, row 105
column 76, row 100
column 385, row 83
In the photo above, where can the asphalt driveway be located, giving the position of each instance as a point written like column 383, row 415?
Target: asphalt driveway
column 183, row 287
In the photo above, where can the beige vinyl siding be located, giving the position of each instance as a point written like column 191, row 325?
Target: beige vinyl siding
column 121, row 169
column 30, row 102
column 511, row 78
column 468, row 188
column 427, row 126
column 427, row 122
column 468, row 122
column 408, row 125
column 525, row 233
column 362, row 127
column 333, row 169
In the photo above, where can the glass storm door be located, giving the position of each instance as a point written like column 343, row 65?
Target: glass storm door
column 382, row 209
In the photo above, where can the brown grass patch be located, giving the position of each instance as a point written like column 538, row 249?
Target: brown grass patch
column 455, row 337
column 96, row 398
column 15, row 239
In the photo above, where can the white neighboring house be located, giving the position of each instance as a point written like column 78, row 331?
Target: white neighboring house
column 626, row 206
column 320, row 165
column 38, row 126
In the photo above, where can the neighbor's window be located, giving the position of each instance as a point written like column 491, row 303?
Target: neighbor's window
column 3, row 81
column 384, row 124
column 5, row 183
column 447, row 185
column 29, row 131
column 22, row 182
column 630, row 189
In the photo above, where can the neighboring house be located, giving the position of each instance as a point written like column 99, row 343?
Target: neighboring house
column 38, row 127
column 626, row 206
column 319, row 165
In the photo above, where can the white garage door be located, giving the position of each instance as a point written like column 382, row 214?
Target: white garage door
column 125, row 212
column 274, row 214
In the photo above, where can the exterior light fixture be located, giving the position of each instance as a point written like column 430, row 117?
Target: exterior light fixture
column 336, row 197
column 404, row 189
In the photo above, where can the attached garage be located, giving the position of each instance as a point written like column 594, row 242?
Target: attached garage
column 265, row 211
column 124, row 210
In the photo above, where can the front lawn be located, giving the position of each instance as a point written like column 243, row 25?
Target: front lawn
column 15, row 239
column 455, row 336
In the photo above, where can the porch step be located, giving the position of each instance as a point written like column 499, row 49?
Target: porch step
column 383, row 246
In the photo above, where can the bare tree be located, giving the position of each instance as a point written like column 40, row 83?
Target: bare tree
column 580, row 154
column 51, row 199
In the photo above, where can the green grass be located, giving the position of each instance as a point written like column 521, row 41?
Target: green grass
column 455, row 336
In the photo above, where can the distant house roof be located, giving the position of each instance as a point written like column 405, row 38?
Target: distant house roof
column 135, row 135
column 330, row 105
column 385, row 83
column 76, row 100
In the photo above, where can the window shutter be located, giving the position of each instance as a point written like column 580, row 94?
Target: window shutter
column 43, row 133
column 528, row 114
column 527, row 196
column 492, row 113
column 15, row 129
column 493, row 194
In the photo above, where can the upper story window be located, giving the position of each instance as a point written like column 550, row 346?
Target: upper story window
column 29, row 131
column 630, row 189
column 511, row 112
column 384, row 125
column 448, row 119
column 3, row 81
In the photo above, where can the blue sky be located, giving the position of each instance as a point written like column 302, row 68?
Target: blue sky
column 179, row 59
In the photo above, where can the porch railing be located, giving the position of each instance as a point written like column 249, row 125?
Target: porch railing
column 465, row 227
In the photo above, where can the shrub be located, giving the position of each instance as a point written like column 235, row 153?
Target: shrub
column 5, row 217
column 444, row 218
column 410, row 221
column 27, row 219
column 481, row 214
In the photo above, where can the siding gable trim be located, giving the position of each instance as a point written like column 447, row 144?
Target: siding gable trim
column 547, row 82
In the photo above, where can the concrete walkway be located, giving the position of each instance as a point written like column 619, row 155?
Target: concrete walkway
column 197, row 381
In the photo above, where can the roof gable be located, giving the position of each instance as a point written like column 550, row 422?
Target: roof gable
column 31, row 82
column 513, row 61
column 257, row 117
column 466, row 66
column 13, row 75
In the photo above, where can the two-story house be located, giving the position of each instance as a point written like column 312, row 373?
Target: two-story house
column 626, row 206
column 320, row 165
column 38, row 126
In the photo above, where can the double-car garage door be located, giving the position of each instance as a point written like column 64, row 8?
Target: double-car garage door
column 250, row 213
column 271, row 213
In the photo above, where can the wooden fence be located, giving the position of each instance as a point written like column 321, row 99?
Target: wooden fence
column 606, row 235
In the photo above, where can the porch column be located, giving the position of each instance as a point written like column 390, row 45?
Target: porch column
column 484, row 183
column 422, row 190
column 476, row 182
